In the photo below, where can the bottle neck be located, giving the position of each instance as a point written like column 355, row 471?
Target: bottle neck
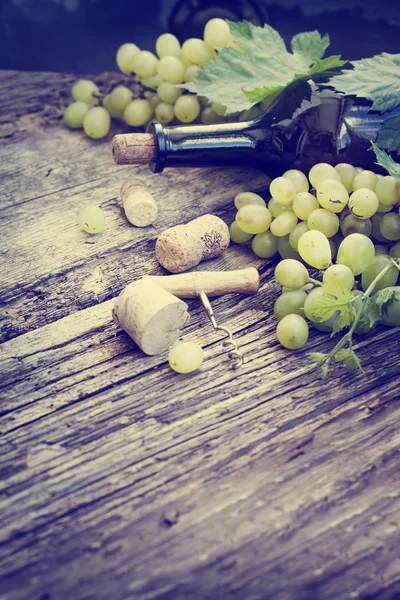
column 334, row 129
column 227, row 144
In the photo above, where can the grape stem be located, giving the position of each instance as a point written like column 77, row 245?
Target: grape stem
column 314, row 281
column 348, row 337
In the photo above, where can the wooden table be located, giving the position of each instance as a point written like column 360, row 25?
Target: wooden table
column 122, row 479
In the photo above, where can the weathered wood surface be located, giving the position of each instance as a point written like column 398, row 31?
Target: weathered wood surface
column 121, row 479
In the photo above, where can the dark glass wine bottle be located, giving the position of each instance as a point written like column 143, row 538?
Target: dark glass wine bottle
column 337, row 129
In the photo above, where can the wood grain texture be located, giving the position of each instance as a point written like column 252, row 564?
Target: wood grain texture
column 120, row 479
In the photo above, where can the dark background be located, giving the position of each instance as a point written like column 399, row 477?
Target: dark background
column 82, row 36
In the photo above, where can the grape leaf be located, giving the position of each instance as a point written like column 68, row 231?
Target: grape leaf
column 323, row 66
column 389, row 134
column 384, row 298
column 348, row 356
column 376, row 78
column 260, row 67
column 335, row 299
column 386, row 162
column 319, row 67
column 375, row 304
column 310, row 43
column 322, row 362
column 370, row 314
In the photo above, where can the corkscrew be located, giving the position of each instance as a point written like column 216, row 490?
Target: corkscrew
column 202, row 284
column 234, row 353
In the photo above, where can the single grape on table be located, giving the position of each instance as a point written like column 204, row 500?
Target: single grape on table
column 91, row 219
column 185, row 357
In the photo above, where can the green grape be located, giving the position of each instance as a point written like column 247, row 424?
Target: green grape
column 303, row 204
column 125, row 56
column 296, row 234
column 85, row 90
column 338, row 239
column 168, row 92
column 203, row 100
column 365, row 179
column 151, row 82
column 209, row 117
column 110, row 109
column 356, row 252
column 291, row 273
column 283, row 190
column 264, row 244
column 237, row 235
column 390, row 226
column 190, row 73
column 320, row 172
column 164, row 113
column 97, row 122
column 217, row 33
column 394, row 250
column 310, row 312
column 120, row 97
column 185, row 357
column 168, row 45
column 292, row 332
column 171, row 69
column 314, row 249
column 220, row 109
column 363, row 202
column 346, row 173
column 91, row 218
column 290, row 303
column 276, row 209
column 144, row 64
column 339, row 275
column 298, row 179
column 379, row 263
column 359, row 170
column 284, row 223
column 332, row 195
column 388, row 190
column 391, row 312
column 253, row 218
column 197, row 52
column 250, row 114
column 187, row 108
column 323, row 220
column 381, row 249
column 138, row 112
column 244, row 198
column 376, row 228
column 285, row 250
column 363, row 327
column 384, row 208
column 154, row 101
column 75, row 113
column 308, row 304
column 352, row 224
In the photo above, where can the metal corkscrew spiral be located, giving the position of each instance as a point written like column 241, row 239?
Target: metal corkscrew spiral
column 234, row 353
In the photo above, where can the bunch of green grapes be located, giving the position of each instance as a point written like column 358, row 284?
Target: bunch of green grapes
column 341, row 214
column 158, row 74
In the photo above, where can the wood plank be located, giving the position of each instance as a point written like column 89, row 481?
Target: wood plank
column 106, row 429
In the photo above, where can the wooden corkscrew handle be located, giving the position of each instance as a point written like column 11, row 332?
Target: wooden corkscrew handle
column 212, row 283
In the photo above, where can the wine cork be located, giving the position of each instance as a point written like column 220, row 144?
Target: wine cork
column 139, row 205
column 182, row 247
column 150, row 315
column 134, row 148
